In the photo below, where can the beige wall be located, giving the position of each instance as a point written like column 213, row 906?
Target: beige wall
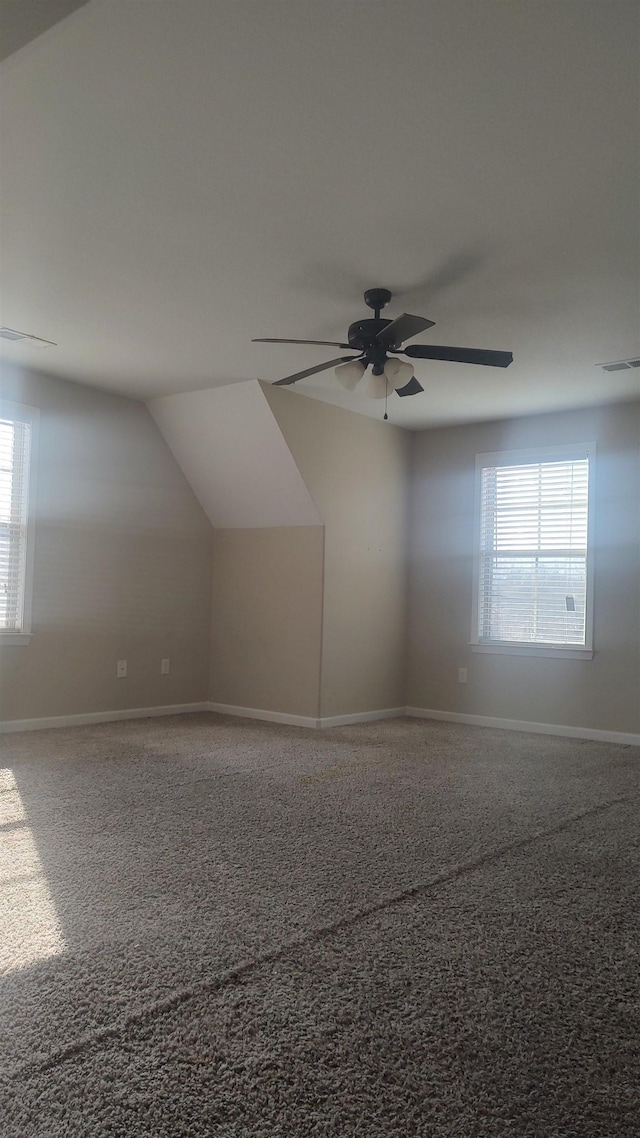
column 307, row 620
column 122, row 562
column 603, row 693
column 356, row 471
column 267, row 618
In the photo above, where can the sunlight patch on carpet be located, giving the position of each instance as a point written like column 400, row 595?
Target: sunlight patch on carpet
column 29, row 926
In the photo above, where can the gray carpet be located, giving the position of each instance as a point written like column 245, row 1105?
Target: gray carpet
column 216, row 927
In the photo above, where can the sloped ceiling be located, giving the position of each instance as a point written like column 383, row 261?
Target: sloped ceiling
column 22, row 20
column 181, row 177
column 234, row 455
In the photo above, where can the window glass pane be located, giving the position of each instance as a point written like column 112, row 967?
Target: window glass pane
column 537, row 599
column 533, row 552
column 14, row 476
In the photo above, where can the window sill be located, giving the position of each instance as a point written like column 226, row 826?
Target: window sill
column 15, row 638
column 548, row 650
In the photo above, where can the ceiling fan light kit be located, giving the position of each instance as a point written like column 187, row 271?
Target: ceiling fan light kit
column 374, row 339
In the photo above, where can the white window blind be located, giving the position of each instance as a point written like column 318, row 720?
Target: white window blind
column 15, row 442
column 532, row 586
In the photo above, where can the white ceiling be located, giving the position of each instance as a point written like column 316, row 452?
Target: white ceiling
column 181, row 176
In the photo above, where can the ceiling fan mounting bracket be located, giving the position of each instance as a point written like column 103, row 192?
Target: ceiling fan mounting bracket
column 377, row 298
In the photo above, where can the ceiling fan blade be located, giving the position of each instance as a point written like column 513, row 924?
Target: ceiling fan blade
column 459, row 355
column 329, row 343
column 403, row 328
column 312, row 370
column 410, row 388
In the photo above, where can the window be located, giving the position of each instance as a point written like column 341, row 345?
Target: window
column 17, row 428
column 533, row 579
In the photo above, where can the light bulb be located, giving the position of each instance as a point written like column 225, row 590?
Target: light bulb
column 350, row 374
column 398, row 372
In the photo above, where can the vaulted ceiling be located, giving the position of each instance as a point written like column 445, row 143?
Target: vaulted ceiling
column 180, row 177
column 22, row 20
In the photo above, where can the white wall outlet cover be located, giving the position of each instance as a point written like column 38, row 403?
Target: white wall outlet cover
column 462, row 675
column 121, row 669
column 164, row 667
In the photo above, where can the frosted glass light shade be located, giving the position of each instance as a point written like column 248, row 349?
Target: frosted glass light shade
column 350, row 374
column 398, row 372
column 378, row 386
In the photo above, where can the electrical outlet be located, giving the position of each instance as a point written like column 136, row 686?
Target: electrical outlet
column 121, row 669
column 164, row 667
column 462, row 675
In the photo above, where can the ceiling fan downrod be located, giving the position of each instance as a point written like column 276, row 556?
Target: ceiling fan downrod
column 377, row 298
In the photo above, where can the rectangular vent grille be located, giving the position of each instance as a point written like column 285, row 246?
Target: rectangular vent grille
column 33, row 341
column 619, row 365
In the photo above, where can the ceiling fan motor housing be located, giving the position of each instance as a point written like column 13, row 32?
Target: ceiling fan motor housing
column 362, row 334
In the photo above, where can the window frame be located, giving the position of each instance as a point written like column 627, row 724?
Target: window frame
column 22, row 413
column 523, row 457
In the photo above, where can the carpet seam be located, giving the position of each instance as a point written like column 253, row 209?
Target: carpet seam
column 230, row 976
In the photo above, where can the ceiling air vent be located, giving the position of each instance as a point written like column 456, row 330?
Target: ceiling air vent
column 32, row 341
column 619, row 365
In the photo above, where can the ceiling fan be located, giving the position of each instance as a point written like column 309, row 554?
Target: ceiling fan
column 378, row 343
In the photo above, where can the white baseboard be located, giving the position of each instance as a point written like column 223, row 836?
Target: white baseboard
column 305, row 720
column 100, row 717
column 261, row 713
column 361, row 717
column 597, row 735
column 602, row 736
